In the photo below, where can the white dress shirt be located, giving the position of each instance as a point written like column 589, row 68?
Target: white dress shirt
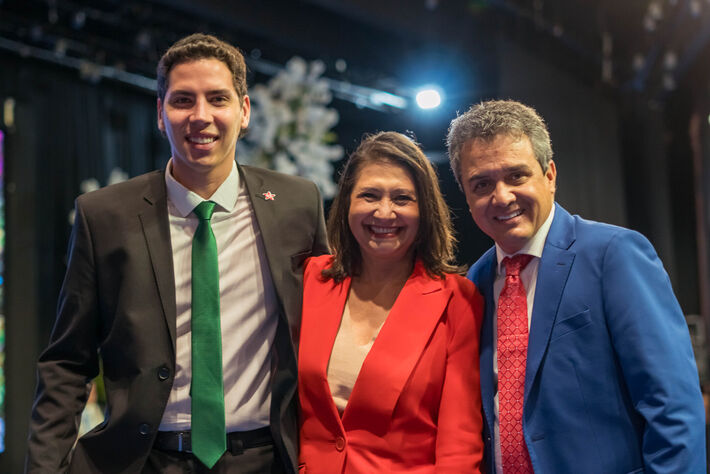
column 528, row 277
column 249, row 308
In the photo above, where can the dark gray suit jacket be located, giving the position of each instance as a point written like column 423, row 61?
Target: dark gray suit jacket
column 118, row 301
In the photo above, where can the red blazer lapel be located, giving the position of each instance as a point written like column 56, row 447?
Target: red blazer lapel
column 322, row 312
column 395, row 352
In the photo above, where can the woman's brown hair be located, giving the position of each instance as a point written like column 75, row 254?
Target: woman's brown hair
column 434, row 244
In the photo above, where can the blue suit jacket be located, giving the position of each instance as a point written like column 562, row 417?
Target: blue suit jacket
column 611, row 384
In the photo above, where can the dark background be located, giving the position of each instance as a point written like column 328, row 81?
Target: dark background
column 625, row 92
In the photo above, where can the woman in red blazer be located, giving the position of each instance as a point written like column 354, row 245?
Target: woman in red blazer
column 388, row 360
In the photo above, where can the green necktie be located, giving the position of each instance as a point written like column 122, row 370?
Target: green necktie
column 209, row 440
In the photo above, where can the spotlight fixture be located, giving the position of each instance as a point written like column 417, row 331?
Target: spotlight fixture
column 428, row 98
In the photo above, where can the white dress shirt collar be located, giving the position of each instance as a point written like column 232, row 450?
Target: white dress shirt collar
column 533, row 246
column 185, row 200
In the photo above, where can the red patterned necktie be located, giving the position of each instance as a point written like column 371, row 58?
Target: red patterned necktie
column 512, row 354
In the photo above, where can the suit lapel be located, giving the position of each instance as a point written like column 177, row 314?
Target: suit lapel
column 156, row 229
column 552, row 274
column 265, row 211
column 396, row 351
column 486, row 277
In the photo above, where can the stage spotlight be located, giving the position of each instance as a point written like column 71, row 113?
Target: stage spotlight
column 428, row 98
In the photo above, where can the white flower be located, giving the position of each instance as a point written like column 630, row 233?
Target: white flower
column 88, row 185
column 117, row 175
column 283, row 164
column 291, row 125
column 317, row 68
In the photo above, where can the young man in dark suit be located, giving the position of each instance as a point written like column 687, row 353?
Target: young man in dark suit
column 186, row 284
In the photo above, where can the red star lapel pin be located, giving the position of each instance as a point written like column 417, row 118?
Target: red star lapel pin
column 268, row 196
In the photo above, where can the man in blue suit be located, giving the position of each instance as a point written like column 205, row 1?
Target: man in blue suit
column 607, row 382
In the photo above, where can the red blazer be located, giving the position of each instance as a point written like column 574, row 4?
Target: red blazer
column 416, row 404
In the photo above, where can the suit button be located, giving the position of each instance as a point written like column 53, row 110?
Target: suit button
column 144, row 429
column 163, row 373
column 339, row 443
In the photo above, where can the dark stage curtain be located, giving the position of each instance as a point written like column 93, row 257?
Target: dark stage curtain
column 66, row 129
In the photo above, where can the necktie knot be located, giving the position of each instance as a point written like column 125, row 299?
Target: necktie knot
column 204, row 210
column 515, row 264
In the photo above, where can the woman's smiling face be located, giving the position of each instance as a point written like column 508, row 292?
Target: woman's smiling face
column 384, row 212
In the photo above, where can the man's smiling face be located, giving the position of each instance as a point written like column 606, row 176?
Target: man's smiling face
column 508, row 193
column 202, row 115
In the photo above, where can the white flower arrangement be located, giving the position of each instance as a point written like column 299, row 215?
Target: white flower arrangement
column 291, row 126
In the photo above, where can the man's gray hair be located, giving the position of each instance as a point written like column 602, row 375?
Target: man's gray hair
column 490, row 119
